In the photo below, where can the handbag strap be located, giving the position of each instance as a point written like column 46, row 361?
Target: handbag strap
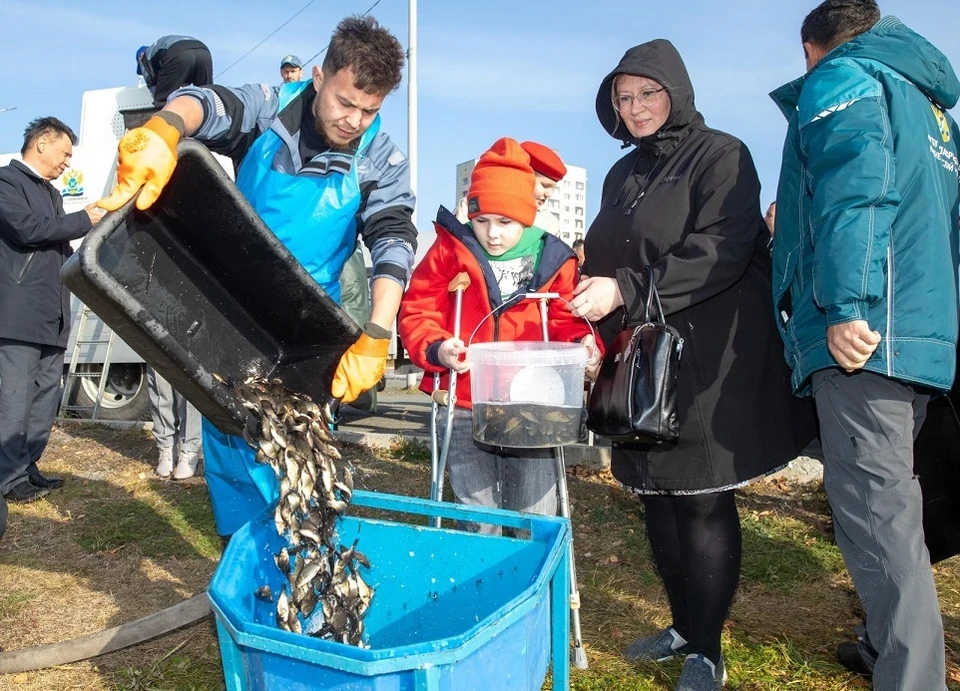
column 653, row 297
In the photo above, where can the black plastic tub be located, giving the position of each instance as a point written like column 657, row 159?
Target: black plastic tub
column 199, row 286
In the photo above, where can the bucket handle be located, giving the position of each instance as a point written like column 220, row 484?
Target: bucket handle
column 518, row 297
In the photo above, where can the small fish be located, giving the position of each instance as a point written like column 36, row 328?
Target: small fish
column 283, row 611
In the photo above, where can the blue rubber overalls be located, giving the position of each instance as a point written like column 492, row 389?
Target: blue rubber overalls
column 315, row 218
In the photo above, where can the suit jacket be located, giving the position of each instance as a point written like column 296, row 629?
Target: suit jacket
column 35, row 236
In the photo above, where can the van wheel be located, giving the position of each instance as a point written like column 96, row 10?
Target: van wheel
column 124, row 398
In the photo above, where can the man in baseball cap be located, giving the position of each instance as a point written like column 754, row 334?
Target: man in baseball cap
column 291, row 69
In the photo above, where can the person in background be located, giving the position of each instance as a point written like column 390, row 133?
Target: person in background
column 505, row 257
column 865, row 275
column 770, row 218
column 171, row 62
column 577, row 247
column 35, row 235
column 291, row 69
column 548, row 171
column 355, row 300
column 318, row 142
column 686, row 201
column 176, row 429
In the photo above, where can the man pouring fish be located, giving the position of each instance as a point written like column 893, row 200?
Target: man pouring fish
column 294, row 151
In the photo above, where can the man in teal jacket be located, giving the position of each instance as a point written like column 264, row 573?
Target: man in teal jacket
column 865, row 291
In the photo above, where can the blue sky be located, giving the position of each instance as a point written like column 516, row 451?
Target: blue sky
column 524, row 69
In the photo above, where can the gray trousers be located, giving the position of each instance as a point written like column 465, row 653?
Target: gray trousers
column 175, row 420
column 480, row 475
column 867, row 426
column 30, row 375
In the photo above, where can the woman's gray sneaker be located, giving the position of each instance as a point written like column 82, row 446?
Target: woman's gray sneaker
column 700, row 674
column 661, row 646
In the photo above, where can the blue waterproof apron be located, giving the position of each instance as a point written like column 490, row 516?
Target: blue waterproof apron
column 315, row 218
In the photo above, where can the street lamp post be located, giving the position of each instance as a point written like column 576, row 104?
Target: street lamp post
column 412, row 116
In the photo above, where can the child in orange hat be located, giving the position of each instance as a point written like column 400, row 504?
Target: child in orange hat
column 504, row 257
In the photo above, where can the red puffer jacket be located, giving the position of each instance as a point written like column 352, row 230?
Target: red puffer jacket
column 428, row 308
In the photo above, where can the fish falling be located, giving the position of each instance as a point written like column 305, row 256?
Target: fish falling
column 324, row 594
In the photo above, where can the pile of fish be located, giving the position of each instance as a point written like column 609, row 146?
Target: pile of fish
column 525, row 425
column 290, row 433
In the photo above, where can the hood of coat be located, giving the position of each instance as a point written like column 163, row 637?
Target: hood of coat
column 903, row 50
column 658, row 60
column 892, row 43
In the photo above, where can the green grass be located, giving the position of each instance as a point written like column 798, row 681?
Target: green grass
column 12, row 604
column 174, row 670
column 410, row 450
column 178, row 525
column 781, row 552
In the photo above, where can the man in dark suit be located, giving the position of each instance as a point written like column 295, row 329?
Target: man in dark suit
column 35, row 235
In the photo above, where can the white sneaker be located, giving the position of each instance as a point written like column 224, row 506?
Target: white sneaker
column 187, row 466
column 165, row 466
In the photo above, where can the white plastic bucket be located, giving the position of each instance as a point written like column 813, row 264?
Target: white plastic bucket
column 527, row 394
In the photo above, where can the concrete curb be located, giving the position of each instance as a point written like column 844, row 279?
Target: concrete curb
column 113, row 424
column 803, row 470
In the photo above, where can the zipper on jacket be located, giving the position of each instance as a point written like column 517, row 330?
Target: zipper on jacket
column 643, row 188
column 633, row 204
column 889, row 335
column 26, row 267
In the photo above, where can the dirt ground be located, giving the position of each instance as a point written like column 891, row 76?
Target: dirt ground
column 117, row 543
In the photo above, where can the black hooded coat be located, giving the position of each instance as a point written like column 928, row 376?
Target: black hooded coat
column 686, row 201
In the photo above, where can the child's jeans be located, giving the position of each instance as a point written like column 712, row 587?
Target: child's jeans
column 480, row 475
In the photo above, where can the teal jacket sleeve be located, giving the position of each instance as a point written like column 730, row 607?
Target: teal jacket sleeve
column 846, row 139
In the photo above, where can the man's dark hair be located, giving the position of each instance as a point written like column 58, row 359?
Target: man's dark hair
column 834, row 22
column 45, row 126
column 577, row 243
column 375, row 55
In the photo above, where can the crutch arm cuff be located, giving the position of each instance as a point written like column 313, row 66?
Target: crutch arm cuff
column 433, row 354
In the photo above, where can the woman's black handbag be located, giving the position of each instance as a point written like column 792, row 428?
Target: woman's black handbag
column 635, row 396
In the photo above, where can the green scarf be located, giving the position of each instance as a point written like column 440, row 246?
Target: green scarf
column 531, row 243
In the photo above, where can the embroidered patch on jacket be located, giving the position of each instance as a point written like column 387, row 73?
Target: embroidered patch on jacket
column 941, row 123
column 396, row 158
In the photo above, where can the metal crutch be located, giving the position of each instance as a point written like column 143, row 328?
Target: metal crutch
column 579, row 654
column 438, row 457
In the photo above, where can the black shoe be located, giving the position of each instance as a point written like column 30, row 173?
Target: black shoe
column 850, row 656
column 42, row 482
column 24, row 492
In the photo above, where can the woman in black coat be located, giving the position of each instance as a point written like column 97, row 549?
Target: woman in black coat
column 686, row 201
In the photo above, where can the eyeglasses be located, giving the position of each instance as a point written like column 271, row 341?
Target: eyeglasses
column 646, row 98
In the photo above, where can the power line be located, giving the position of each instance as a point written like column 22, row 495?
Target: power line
column 268, row 36
column 368, row 11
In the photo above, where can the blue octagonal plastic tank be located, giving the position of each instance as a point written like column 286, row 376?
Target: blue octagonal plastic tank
column 453, row 611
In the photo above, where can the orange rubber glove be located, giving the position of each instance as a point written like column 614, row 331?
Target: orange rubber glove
column 148, row 156
column 363, row 365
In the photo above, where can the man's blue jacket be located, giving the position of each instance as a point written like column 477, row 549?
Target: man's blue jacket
column 867, row 207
